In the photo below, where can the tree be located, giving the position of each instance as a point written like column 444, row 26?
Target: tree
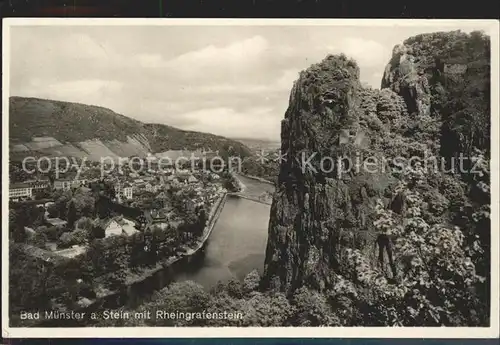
column 137, row 253
column 84, row 204
column 18, row 219
column 94, row 258
column 28, row 282
column 187, row 297
column 84, row 223
column 265, row 310
column 311, row 308
column 96, row 231
column 39, row 239
column 52, row 232
column 116, row 262
column 438, row 277
column 62, row 204
column 77, row 237
column 116, row 280
column 53, row 210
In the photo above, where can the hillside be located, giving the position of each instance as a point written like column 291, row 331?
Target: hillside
column 259, row 144
column 54, row 128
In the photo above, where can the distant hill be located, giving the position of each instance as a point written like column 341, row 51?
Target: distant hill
column 260, row 143
column 56, row 128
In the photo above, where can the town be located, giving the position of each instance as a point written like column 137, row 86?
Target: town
column 99, row 233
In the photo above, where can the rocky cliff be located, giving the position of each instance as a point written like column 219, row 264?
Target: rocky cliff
column 434, row 99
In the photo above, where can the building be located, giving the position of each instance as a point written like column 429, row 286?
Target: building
column 39, row 185
column 155, row 216
column 19, row 191
column 62, row 184
column 149, row 187
column 123, row 192
column 117, row 227
column 128, row 227
column 111, row 227
column 71, row 252
column 128, row 192
column 68, row 183
column 192, row 179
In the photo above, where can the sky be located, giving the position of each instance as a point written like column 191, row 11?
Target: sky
column 233, row 81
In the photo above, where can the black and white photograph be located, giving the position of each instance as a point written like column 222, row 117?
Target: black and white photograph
column 202, row 177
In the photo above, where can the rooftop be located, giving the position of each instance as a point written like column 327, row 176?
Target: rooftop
column 56, row 221
column 71, row 252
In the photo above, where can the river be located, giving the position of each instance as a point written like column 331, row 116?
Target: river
column 237, row 244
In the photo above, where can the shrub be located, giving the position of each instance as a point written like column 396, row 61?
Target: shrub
column 311, row 308
column 84, row 223
column 68, row 239
column 187, row 297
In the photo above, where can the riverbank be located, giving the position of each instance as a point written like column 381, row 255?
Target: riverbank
column 188, row 251
column 240, row 186
column 212, row 220
column 139, row 282
column 256, row 178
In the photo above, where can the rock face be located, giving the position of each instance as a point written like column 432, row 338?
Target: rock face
column 323, row 203
column 445, row 75
column 318, row 204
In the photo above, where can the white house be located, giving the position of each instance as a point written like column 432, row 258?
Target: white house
column 128, row 227
column 117, row 227
column 112, row 228
column 123, row 191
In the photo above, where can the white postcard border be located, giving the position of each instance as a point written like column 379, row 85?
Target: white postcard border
column 491, row 27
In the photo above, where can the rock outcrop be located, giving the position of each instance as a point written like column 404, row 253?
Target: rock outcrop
column 445, row 75
column 323, row 204
column 323, row 201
